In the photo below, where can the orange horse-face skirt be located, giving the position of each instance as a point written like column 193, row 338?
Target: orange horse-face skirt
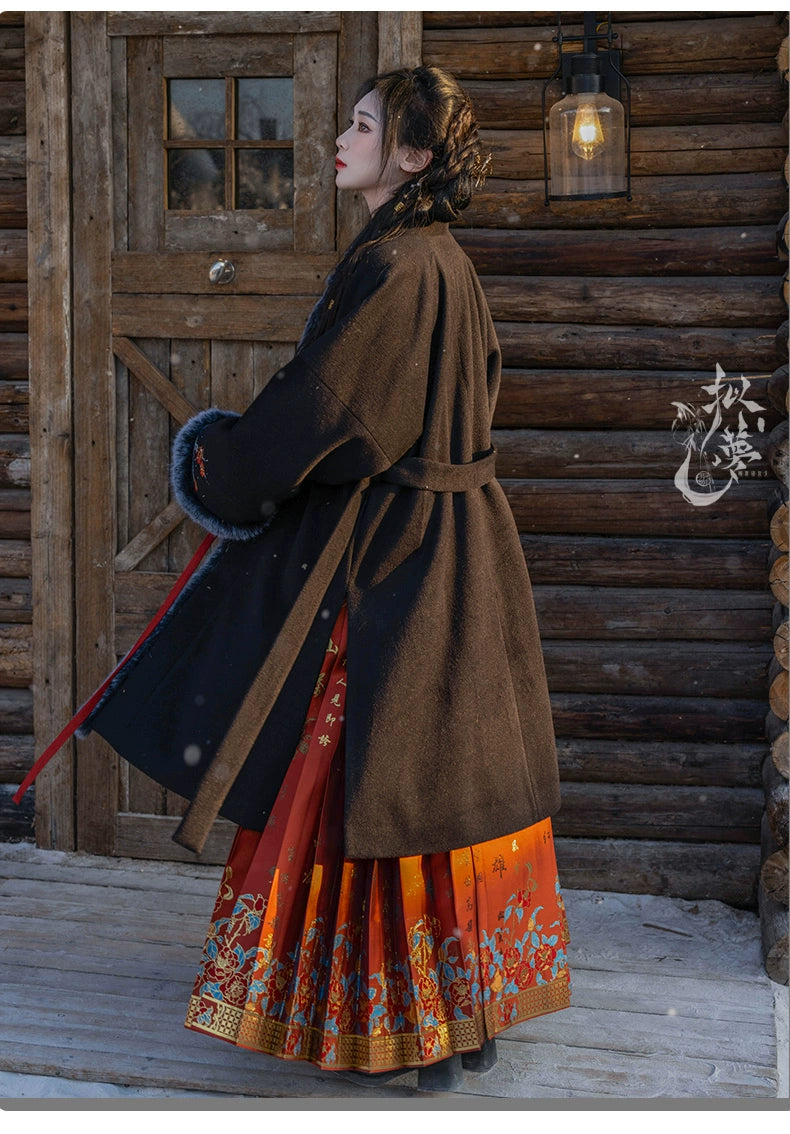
column 374, row 964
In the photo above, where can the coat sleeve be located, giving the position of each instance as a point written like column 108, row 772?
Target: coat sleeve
column 347, row 406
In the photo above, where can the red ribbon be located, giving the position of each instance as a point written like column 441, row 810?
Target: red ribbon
column 89, row 705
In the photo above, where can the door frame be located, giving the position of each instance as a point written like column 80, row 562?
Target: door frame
column 69, row 77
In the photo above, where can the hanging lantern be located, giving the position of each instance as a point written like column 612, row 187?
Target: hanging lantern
column 589, row 128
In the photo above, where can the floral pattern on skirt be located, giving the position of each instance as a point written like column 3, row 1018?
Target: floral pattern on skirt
column 374, row 964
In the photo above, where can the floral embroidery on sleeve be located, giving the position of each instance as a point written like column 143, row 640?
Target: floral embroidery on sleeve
column 199, row 463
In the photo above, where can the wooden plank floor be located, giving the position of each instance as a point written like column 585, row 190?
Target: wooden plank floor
column 97, row 957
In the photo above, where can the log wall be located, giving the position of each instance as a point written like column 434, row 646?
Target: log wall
column 656, row 621
column 16, row 673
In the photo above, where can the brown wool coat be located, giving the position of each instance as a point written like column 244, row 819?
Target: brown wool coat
column 364, row 470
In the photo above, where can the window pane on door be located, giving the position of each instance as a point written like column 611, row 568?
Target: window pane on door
column 196, row 109
column 196, row 179
column 265, row 109
column 265, row 179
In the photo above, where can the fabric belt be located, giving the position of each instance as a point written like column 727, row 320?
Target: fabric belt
column 436, row 476
column 217, row 780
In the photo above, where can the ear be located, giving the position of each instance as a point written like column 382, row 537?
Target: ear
column 414, row 161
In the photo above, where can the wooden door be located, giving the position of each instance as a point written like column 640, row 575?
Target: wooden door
column 197, row 139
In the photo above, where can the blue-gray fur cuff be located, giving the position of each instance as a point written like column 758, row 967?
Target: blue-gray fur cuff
column 181, row 472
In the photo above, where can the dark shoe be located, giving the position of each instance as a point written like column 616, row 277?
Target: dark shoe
column 447, row 1075
column 373, row 1078
column 482, row 1060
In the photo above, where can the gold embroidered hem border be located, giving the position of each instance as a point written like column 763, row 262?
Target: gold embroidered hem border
column 249, row 1029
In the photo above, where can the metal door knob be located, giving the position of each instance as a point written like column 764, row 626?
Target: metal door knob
column 222, row 271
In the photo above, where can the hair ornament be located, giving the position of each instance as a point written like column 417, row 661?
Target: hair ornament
column 414, row 188
column 481, row 169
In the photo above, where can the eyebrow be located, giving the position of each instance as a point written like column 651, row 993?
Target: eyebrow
column 365, row 114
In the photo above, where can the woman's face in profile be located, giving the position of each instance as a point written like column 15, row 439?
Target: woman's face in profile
column 358, row 161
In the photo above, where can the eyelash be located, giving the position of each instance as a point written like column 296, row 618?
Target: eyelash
column 362, row 124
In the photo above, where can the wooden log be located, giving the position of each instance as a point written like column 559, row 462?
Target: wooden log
column 14, row 513
column 12, row 107
column 781, row 342
column 13, row 306
column 737, row 250
column 13, row 357
column 569, row 559
column 16, row 653
column 773, row 935
column 732, row 198
column 16, row 758
column 700, row 669
column 16, row 711
column 15, row 558
column 777, row 452
column 687, row 762
column 14, row 407
column 773, row 872
column 563, row 344
column 689, row 45
column 15, row 600
column 610, row 399
column 684, row 149
column 778, row 687
column 13, row 249
column 14, row 461
column 776, row 799
column 656, row 100
column 723, row 872
column 585, row 453
column 715, row 301
column 491, row 19
column 646, row 508
column 634, row 811
column 13, row 203
column 12, row 55
column 613, row 717
column 778, row 574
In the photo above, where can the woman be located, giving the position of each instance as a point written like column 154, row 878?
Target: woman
column 355, row 675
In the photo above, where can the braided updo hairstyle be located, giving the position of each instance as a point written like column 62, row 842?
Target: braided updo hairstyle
column 422, row 108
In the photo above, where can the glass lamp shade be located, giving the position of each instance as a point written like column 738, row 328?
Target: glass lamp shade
column 587, row 147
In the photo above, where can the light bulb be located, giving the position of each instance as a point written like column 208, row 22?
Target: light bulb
column 587, row 136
